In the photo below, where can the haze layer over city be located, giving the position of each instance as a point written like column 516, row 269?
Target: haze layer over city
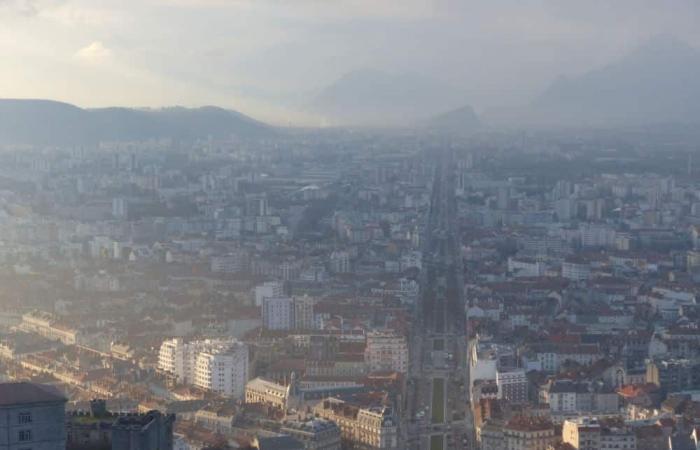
column 349, row 224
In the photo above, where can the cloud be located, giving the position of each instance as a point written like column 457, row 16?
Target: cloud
column 95, row 53
column 74, row 15
column 317, row 9
column 27, row 7
column 22, row 7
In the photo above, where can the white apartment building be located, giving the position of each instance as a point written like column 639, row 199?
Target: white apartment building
column 487, row 358
column 551, row 357
column 216, row 365
column 99, row 282
column 278, row 313
column 386, row 350
column 120, row 208
column 172, row 359
column 411, row 259
column 340, row 262
column 576, row 271
column 597, row 236
column 268, row 289
column 222, row 368
column 234, row 262
column 525, row 267
column 304, row 312
column 288, row 313
column 565, row 208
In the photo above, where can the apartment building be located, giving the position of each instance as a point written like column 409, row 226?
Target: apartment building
column 288, row 313
column 575, row 270
column 216, row 365
column 588, row 433
column 266, row 290
column 386, row 350
column 278, row 313
column 512, row 385
column 528, row 433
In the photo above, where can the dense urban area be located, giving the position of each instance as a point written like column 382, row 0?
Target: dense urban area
column 328, row 289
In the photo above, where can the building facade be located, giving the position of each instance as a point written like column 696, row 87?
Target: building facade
column 32, row 416
column 265, row 392
column 304, row 312
column 371, row 428
column 674, row 375
column 266, row 290
column 288, row 313
column 216, row 365
column 152, row 430
column 386, row 351
column 48, row 326
column 587, row 433
column 528, row 433
column 278, row 313
column 512, row 385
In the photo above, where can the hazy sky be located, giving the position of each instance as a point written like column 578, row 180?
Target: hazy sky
column 264, row 57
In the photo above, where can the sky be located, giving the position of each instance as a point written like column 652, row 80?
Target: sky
column 267, row 58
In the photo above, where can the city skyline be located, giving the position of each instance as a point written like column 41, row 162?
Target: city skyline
column 349, row 225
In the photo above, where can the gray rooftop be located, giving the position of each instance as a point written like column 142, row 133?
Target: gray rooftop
column 28, row 393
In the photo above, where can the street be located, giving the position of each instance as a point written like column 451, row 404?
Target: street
column 438, row 413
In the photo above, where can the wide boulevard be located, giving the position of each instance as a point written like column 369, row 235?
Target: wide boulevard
column 438, row 416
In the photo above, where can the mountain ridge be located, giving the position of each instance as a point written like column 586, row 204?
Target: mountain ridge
column 47, row 122
column 376, row 97
column 657, row 82
column 462, row 120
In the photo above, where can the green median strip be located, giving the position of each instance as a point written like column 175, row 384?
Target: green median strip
column 437, row 442
column 438, row 408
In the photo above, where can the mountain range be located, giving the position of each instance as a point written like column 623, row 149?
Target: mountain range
column 374, row 97
column 45, row 122
column 658, row 82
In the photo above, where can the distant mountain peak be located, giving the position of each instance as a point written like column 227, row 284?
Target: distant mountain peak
column 458, row 121
column 658, row 81
column 375, row 97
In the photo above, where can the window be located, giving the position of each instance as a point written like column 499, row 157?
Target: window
column 25, row 435
column 24, row 417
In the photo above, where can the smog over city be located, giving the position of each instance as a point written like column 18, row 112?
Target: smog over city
column 349, row 224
